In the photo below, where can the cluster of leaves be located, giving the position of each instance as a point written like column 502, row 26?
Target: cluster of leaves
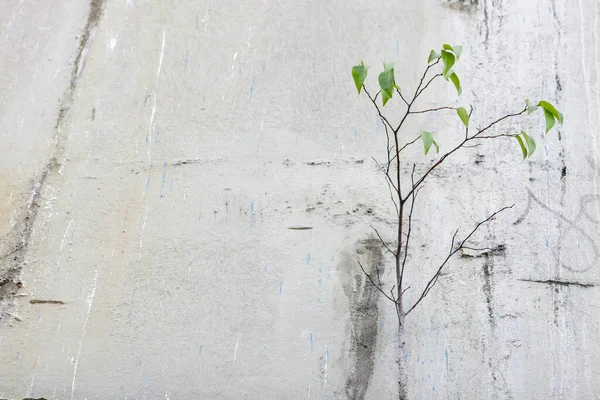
column 448, row 56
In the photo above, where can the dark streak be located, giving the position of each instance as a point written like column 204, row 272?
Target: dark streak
column 40, row 301
column 21, row 234
column 560, row 283
column 300, row 228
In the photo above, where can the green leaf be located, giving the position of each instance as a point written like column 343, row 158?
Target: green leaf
column 456, row 81
column 387, row 84
column 433, row 55
column 464, row 115
column 549, row 120
column 549, row 107
column 427, row 138
column 530, row 106
column 530, row 143
column 457, row 51
column 523, row 149
column 385, row 97
column 359, row 74
column 448, row 59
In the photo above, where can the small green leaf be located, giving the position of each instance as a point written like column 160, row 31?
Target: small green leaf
column 359, row 74
column 523, row 149
column 387, row 84
column 530, row 143
column 464, row 115
column 549, row 107
column 530, row 106
column 433, row 55
column 385, row 97
column 388, row 66
column 456, row 81
column 448, row 59
column 549, row 120
column 457, row 50
column 427, row 138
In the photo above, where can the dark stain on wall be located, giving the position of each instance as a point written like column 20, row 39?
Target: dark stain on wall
column 363, row 300
column 462, row 5
column 13, row 247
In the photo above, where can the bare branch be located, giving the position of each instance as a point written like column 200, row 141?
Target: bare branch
column 410, row 214
column 382, row 242
column 451, row 252
column 499, row 120
column 461, row 144
column 432, row 110
column 373, row 100
column 374, row 284
column 402, row 97
column 425, row 87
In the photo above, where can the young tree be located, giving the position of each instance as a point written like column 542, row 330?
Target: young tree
column 404, row 190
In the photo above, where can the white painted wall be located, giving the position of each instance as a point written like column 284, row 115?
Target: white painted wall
column 158, row 204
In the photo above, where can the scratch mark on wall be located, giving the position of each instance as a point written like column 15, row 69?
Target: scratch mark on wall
column 89, row 302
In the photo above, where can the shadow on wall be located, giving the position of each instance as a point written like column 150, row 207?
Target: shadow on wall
column 363, row 299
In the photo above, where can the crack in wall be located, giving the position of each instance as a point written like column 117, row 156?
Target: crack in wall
column 16, row 243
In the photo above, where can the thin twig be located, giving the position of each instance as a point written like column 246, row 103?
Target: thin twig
column 374, row 284
column 382, row 242
column 435, row 277
column 373, row 100
column 432, row 110
column 402, row 97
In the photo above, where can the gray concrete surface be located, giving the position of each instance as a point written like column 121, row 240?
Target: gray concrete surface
column 155, row 154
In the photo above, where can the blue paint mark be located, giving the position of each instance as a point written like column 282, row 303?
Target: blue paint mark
column 280, row 287
column 397, row 49
column 320, row 281
column 446, row 359
column 171, row 186
column 266, row 267
column 312, row 344
column 378, row 125
column 252, row 206
column 308, row 259
column 162, row 182
column 203, row 98
column 252, row 86
column 198, row 218
column 18, row 355
column 546, row 242
column 187, row 56
column 319, row 300
column 125, row 284
column 433, row 388
column 148, row 183
column 326, row 353
column 196, row 21
column 330, row 23
column 131, row 304
column 147, row 139
column 405, row 356
column 200, row 349
column 355, row 134
column 328, row 275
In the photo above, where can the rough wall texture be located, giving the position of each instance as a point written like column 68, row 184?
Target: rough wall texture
column 185, row 188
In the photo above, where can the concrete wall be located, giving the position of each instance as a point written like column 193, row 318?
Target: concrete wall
column 156, row 156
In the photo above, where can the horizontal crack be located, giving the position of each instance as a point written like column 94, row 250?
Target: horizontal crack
column 560, row 283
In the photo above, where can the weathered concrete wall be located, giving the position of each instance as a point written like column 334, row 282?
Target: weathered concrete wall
column 156, row 156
